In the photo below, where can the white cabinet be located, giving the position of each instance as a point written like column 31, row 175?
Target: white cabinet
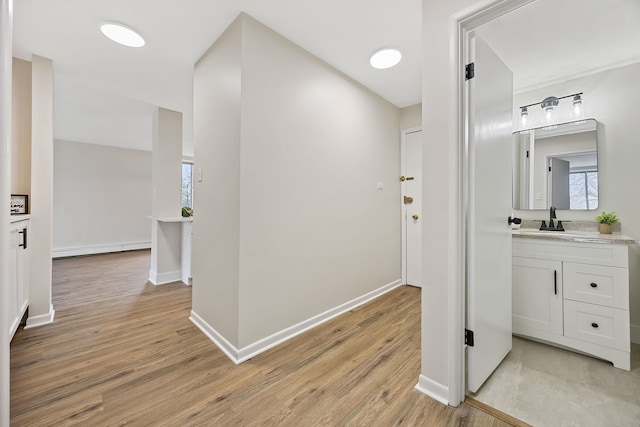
column 574, row 294
column 18, row 273
column 537, row 295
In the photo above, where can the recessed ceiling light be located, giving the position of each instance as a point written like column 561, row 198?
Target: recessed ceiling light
column 122, row 34
column 385, row 58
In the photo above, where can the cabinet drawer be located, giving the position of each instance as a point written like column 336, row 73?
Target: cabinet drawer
column 596, row 284
column 586, row 253
column 596, row 324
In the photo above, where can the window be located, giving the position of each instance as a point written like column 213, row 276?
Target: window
column 583, row 190
column 187, row 184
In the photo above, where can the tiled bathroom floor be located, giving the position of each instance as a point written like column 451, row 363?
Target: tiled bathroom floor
column 547, row 386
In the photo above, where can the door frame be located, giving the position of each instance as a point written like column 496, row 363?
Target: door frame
column 461, row 24
column 403, row 207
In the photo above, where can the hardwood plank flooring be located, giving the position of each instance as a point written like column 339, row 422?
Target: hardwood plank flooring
column 122, row 351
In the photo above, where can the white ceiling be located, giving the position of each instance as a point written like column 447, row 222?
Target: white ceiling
column 342, row 33
column 105, row 93
column 548, row 41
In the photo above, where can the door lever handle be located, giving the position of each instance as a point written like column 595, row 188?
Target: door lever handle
column 514, row 220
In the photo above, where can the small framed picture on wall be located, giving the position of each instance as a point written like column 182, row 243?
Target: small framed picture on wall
column 19, row 204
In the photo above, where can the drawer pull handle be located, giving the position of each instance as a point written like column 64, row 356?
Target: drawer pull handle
column 594, row 285
column 594, row 325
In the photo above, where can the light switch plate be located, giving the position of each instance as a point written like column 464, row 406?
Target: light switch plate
column 380, row 185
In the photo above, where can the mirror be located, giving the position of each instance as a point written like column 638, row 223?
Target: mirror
column 556, row 166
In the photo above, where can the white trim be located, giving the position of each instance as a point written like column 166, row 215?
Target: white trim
column 99, row 249
column 433, row 389
column 461, row 24
column 16, row 321
column 241, row 355
column 42, row 319
column 635, row 334
column 227, row 348
column 164, row 278
column 577, row 75
column 403, row 207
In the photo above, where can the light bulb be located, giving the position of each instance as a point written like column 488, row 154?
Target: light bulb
column 548, row 105
column 548, row 114
column 577, row 107
column 524, row 116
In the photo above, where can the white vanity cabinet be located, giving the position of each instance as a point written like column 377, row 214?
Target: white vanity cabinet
column 18, row 272
column 574, row 293
column 537, row 295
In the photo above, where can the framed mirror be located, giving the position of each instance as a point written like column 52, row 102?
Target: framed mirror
column 556, row 166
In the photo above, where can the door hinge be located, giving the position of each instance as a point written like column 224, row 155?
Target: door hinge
column 468, row 337
column 469, row 71
column 527, row 154
column 549, row 168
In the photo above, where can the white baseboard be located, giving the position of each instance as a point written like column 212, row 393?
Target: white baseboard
column 635, row 334
column 433, row 389
column 41, row 319
column 260, row 346
column 164, row 278
column 99, row 249
column 227, row 348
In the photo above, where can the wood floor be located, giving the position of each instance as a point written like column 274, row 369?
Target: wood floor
column 122, row 351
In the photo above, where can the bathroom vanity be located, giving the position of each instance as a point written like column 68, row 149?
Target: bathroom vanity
column 18, row 285
column 572, row 290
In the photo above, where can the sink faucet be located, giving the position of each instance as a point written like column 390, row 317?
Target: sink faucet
column 552, row 216
column 552, row 226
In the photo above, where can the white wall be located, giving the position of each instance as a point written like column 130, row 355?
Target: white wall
column 611, row 98
column 215, row 267
column 40, row 308
column 6, row 28
column 21, row 128
column 166, row 167
column 101, row 198
column 411, row 117
column 301, row 147
column 441, row 271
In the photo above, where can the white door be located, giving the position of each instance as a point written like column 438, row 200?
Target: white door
column 559, row 177
column 489, row 234
column 412, row 203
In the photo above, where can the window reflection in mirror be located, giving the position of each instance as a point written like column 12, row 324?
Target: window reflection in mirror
column 556, row 166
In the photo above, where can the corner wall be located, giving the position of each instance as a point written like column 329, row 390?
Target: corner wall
column 440, row 185
column 41, row 227
column 288, row 203
column 101, row 199
column 411, row 117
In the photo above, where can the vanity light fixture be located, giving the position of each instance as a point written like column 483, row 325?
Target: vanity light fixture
column 122, row 34
column 549, row 106
column 385, row 58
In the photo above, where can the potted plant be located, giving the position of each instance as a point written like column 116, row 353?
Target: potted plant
column 187, row 212
column 606, row 220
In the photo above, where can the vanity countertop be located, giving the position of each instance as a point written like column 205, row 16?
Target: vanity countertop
column 573, row 236
column 20, row 217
